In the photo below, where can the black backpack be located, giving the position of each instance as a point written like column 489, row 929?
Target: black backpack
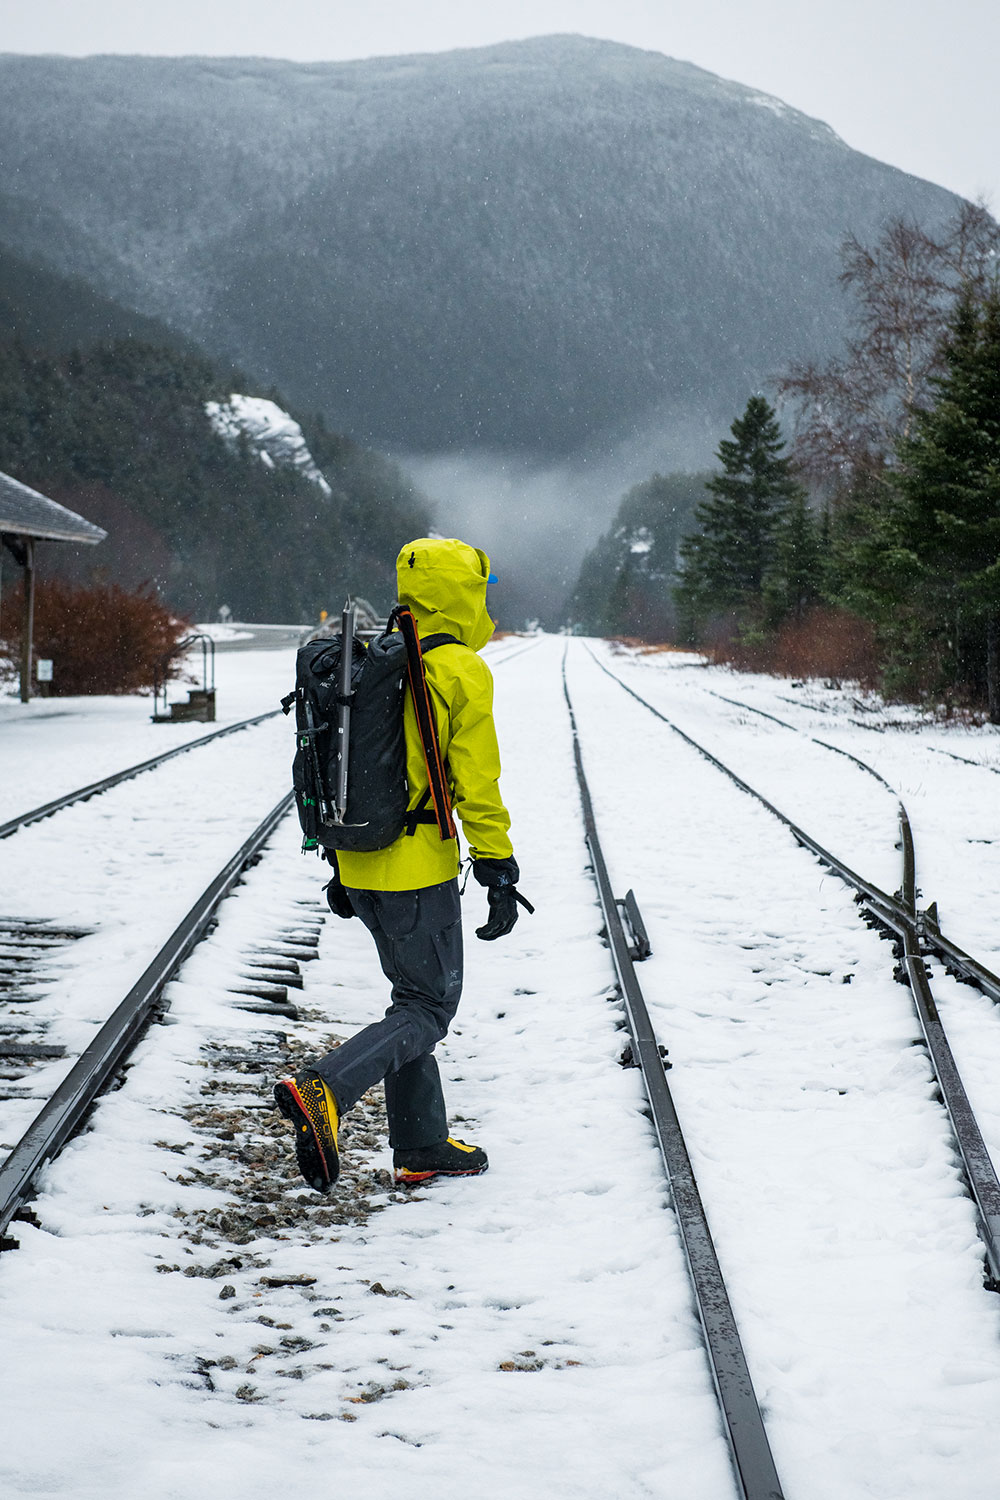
column 378, row 795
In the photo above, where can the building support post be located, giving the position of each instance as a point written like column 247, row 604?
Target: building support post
column 28, row 623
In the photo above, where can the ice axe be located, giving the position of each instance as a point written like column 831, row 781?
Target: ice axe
column 348, row 621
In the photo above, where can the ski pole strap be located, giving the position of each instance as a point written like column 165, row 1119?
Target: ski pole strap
column 436, row 778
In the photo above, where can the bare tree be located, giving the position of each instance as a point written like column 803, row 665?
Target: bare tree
column 851, row 413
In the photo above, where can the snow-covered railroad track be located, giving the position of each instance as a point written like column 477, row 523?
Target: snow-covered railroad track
column 816, row 708
column 753, row 1465
column 392, row 1340
column 64, row 1112
column 915, row 933
column 809, row 1110
column 836, row 749
column 94, row 788
column 922, row 924
column 514, row 648
column 882, row 728
column 26, row 943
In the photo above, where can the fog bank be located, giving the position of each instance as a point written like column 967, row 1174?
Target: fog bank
column 538, row 520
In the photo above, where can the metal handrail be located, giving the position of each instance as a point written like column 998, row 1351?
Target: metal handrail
column 160, row 674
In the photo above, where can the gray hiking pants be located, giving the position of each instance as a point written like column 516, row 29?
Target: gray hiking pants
column 418, row 935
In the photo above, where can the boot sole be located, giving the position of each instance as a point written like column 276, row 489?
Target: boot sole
column 412, row 1179
column 314, row 1164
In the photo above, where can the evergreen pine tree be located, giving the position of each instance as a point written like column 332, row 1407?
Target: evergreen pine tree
column 947, row 518
column 725, row 564
column 796, row 580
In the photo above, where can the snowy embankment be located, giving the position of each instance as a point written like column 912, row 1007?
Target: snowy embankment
column 51, row 746
column 529, row 1332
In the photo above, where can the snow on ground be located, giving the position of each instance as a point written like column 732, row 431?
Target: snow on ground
column 51, row 746
column 825, row 1166
column 531, row 1331
column 953, row 807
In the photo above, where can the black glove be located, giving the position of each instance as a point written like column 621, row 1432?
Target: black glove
column 500, row 877
column 337, row 898
column 496, row 872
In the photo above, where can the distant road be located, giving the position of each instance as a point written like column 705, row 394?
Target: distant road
column 264, row 638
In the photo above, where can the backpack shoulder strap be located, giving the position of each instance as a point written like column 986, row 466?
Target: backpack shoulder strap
column 441, row 638
column 437, row 780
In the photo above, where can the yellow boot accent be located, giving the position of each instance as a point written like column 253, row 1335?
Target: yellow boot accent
column 307, row 1102
column 460, row 1145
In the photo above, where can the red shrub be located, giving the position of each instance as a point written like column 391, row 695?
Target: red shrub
column 826, row 642
column 100, row 638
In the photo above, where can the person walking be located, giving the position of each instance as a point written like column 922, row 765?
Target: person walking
column 407, row 894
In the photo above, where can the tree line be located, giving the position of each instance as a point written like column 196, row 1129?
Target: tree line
column 881, row 516
column 118, row 432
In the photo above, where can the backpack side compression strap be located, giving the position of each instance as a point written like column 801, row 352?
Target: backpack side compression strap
column 436, row 777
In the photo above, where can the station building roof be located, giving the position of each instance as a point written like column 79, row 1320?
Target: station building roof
column 26, row 513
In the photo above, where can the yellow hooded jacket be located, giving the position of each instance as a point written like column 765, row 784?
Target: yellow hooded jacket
column 443, row 581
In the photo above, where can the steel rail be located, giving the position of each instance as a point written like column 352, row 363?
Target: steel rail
column 932, row 939
column 963, row 760
column 916, row 933
column 881, row 729
column 64, row 1113
column 979, row 1170
column 889, row 910
column 96, row 787
column 520, row 651
column 753, row 1464
column 836, row 749
column 956, row 960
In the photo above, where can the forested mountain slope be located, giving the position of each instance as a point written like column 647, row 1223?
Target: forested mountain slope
column 46, row 310
column 543, row 246
column 124, row 433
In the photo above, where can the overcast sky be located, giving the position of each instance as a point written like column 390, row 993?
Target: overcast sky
column 912, row 82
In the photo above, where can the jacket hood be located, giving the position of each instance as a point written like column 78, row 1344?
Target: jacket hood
column 443, row 581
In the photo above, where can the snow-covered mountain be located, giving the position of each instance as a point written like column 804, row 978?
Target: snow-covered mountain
column 544, row 246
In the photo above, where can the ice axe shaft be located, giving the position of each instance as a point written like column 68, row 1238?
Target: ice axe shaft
column 307, row 740
column 348, row 621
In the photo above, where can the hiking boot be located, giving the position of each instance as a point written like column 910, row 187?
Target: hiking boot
column 451, row 1159
column 306, row 1101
